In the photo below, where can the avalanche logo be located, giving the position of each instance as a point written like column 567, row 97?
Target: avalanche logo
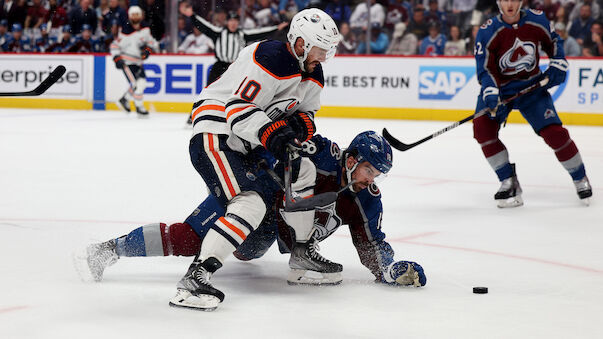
column 443, row 82
column 521, row 57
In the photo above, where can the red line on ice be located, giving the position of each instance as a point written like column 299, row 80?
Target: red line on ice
column 14, row 308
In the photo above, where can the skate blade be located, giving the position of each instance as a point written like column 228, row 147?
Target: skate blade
column 203, row 302
column 305, row 277
column 585, row 201
column 515, row 201
column 143, row 116
column 80, row 262
column 122, row 107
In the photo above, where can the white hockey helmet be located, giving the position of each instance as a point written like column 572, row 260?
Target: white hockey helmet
column 134, row 10
column 316, row 28
column 503, row 13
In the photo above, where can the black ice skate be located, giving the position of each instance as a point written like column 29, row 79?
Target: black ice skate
column 123, row 104
column 189, row 121
column 308, row 267
column 194, row 289
column 509, row 193
column 584, row 190
column 142, row 112
column 91, row 263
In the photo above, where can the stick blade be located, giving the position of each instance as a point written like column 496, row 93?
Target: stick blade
column 50, row 80
column 395, row 143
column 308, row 204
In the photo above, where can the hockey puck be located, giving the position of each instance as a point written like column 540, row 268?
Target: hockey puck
column 480, row 290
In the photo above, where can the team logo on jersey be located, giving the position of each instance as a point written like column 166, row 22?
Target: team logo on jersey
column 277, row 109
column 326, row 221
column 549, row 113
column 374, row 190
column 519, row 58
column 443, row 82
column 250, row 176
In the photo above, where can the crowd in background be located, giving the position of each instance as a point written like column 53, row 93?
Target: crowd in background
column 397, row 27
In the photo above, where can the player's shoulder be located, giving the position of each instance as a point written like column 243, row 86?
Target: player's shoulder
column 325, row 153
column 273, row 57
column 317, row 76
column 370, row 200
column 491, row 25
column 537, row 17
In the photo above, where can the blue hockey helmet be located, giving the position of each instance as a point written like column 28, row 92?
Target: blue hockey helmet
column 17, row 28
column 4, row 22
column 370, row 146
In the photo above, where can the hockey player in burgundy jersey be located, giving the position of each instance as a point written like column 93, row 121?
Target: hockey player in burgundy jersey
column 367, row 157
column 507, row 53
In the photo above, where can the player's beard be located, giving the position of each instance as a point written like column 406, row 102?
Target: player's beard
column 136, row 21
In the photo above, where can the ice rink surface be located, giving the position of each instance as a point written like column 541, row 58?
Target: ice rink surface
column 72, row 177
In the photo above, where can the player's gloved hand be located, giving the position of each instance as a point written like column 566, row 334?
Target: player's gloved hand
column 278, row 138
column 119, row 62
column 556, row 72
column 491, row 99
column 405, row 273
column 303, row 125
column 145, row 51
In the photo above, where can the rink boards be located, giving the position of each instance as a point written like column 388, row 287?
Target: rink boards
column 382, row 87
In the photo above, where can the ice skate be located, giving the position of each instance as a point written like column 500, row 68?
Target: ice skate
column 91, row 262
column 123, row 104
column 142, row 112
column 308, row 267
column 195, row 290
column 584, row 190
column 189, row 121
column 509, row 193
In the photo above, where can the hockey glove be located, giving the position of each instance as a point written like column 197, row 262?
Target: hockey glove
column 145, row 52
column 303, row 125
column 276, row 136
column 405, row 273
column 119, row 62
column 556, row 72
column 491, row 99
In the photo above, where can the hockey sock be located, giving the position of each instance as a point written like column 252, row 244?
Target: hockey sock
column 485, row 131
column 159, row 240
column 225, row 235
column 557, row 137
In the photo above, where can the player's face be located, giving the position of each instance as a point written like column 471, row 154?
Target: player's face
column 510, row 10
column 136, row 18
column 364, row 175
column 315, row 57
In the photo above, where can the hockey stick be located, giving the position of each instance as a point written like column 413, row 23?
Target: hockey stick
column 400, row 146
column 42, row 87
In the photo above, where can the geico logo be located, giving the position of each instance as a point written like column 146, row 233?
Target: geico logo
column 26, row 78
column 175, row 78
column 442, row 83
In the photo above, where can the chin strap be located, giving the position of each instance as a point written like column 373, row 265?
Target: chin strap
column 348, row 174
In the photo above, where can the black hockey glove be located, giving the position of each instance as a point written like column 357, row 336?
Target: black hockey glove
column 276, row 136
column 303, row 125
column 119, row 62
column 145, row 52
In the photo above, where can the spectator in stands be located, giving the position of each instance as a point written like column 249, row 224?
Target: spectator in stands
column 418, row 25
column 288, row 8
column 549, row 8
column 267, row 15
column 82, row 15
column 471, row 40
column 114, row 14
column 433, row 14
column 359, row 20
column 182, row 31
column 339, row 10
column 56, row 15
column 251, row 7
column 219, row 17
column 154, row 13
column 379, row 41
column 455, row 46
column 570, row 45
column 348, row 44
column 14, row 11
column 3, row 32
column 17, row 42
column 112, row 35
column 396, row 13
column 403, row 43
column 85, row 43
column 593, row 45
column 580, row 27
column 64, row 43
column 196, row 43
column 433, row 44
column 595, row 10
column 44, row 40
column 561, row 15
column 462, row 11
column 35, row 15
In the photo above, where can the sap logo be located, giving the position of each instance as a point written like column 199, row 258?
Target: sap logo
column 443, row 82
column 175, row 78
column 555, row 91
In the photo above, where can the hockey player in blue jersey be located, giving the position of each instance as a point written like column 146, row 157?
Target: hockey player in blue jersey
column 367, row 157
column 17, row 42
column 507, row 53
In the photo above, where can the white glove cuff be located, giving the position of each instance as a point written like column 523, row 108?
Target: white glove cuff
column 489, row 91
column 560, row 64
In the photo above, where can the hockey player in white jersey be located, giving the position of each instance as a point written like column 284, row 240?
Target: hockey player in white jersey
column 133, row 45
column 266, row 100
